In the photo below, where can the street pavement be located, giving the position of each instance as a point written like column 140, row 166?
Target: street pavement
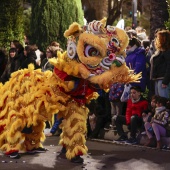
column 102, row 155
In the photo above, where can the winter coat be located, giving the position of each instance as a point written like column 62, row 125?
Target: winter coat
column 135, row 108
column 161, row 116
column 136, row 60
column 13, row 65
column 30, row 58
column 160, row 66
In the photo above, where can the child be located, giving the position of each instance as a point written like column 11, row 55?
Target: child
column 115, row 94
column 158, row 122
column 148, row 114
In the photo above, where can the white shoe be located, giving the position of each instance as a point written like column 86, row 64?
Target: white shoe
column 143, row 133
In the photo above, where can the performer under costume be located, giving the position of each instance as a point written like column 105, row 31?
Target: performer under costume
column 94, row 59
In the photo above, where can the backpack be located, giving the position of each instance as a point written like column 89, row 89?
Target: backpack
column 116, row 91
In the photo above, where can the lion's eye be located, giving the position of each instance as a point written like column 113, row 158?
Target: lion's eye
column 115, row 41
column 90, row 51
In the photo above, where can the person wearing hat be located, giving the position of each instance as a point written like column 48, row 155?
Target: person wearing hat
column 133, row 116
column 131, row 33
column 136, row 60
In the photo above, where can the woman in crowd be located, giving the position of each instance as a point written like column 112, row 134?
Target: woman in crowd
column 51, row 52
column 20, row 49
column 13, row 65
column 29, row 56
column 160, row 63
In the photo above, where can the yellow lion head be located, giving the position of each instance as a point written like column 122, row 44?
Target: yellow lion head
column 96, row 52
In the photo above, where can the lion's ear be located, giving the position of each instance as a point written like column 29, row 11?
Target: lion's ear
column 74, row 29
column 103, row 21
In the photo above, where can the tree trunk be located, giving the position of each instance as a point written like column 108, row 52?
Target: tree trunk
column 159, row 14
column 98, row 9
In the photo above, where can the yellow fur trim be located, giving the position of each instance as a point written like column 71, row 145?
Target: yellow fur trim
column 94, row 41
column 73, row 29
column 116, row 74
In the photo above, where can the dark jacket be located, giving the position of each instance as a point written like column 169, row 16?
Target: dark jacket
column 13, row 65
column 45, row 65
column 3, row 62
column 30, row 58
column 160, row 66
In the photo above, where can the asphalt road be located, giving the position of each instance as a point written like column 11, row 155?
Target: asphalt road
column 102, row 155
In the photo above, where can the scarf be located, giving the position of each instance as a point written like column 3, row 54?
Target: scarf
column 159, row 109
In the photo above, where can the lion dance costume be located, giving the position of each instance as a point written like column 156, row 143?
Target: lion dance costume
column 94, row 59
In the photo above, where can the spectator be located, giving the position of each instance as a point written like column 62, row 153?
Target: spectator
column 98, row 108
column 158, row 124
column 128, row 28
column 38, row 54
column 45, row 65
column 51, row 52
column 131, row 33
column 115, row 94
column 136, row 60
column 149, row 113
column 55, row 127
column 13, row 65
column 133, row 118
column 141, row 33
column 3, row 60
column 160, row 63
column 56, row 44
column 20, row 49
column 151, row 50
column 30, row 56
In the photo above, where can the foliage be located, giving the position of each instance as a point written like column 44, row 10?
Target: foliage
column 26, row 20
column 167, row 23
column 144, row 22
column 51, row 18
column 11, row 21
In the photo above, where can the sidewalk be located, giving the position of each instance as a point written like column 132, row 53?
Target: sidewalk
column 110, row 135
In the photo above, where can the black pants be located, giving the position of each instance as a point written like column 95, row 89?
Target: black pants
column 135, row 123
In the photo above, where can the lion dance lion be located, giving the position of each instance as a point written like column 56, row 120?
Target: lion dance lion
column 94, row 59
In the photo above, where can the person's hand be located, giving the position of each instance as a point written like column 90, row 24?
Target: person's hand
column 164, row 86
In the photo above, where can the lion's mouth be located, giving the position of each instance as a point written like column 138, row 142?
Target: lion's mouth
column 99, row 70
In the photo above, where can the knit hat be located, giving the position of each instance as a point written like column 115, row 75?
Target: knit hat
column 134, row 41
column 131, row 33
column 141, row 36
